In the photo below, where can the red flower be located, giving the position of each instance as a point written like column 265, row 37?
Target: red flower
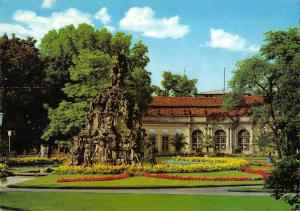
column 265, row 165
column 263, row 173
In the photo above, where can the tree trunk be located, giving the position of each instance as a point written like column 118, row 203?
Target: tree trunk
column 278, row 149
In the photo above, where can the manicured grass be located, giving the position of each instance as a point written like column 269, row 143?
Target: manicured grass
column 30, row 168
column 258, row 159
column 96, row 201
column 262, row 168
column 139, row 181
column 162, row 159
column 220, row 174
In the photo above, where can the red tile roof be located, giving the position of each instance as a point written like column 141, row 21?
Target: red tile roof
column 198, row 106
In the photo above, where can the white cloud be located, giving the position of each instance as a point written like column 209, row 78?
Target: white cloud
column 39, row 25
column 221, row 39
column 14, row 29
column 105, row 19
column 143, row 20
column 103, row 16
column 110, row 28
column 48, row 3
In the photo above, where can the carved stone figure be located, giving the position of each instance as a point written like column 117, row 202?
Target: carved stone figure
column 113, row 133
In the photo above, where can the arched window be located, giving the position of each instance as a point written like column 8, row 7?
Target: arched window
column 197, row 137
column 220, row 140
column 243, row 140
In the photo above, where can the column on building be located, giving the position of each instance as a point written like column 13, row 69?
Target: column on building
column 189, row 137
column 251, row 148
column 229, row 140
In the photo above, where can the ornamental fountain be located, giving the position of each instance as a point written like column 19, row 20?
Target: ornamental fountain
column 113, row 133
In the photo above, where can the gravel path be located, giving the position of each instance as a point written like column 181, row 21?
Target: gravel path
column 12, row 180
column 185, row 191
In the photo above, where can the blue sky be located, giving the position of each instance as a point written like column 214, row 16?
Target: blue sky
column 200, row 36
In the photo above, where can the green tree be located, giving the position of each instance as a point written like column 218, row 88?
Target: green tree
column 178, row 141
column 89, row 77
column 58, row 50
column 208, row 142
column 283, row 49
column 176, row 85
column 22, row 91
column 3, row 172
column 265, row 143
column 275, row 75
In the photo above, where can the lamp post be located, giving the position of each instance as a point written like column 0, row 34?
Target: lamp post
column 1, row 120
column 9, row 135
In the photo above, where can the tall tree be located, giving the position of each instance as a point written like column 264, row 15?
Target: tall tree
column 58, row 50
column 274, row 74
column 23, row 94
column 89, row 76
column 176, row 85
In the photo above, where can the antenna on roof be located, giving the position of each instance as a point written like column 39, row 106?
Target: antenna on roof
column 299, row 11
column 224, row 87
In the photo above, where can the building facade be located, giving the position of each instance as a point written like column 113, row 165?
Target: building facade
column 199, row 119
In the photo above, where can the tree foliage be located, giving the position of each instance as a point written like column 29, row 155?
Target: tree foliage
column 274, row 74
column 22, row 91
column 94, row 55
column 176, row 85
column 178, row 141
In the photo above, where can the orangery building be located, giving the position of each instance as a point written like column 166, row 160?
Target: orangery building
column 200, row 118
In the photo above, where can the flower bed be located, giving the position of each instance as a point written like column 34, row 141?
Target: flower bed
column 212, row 160
column 263, row 173
column 96, row 169
column 198, row 164
column 177, row 177
column 139, row 169
column 89, row 179
column 265, row 165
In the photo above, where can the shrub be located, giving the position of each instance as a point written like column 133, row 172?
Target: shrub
column 3, row 172
column 30, row 160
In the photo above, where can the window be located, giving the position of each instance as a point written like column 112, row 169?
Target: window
column 165, row 130
column 178, row 130
column 152, row 137
column 197, row 137
column 165, row 143
column 243, row 140
column 152, row 130
column 220, row 140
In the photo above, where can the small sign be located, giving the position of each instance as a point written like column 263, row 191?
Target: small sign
column 9, row 132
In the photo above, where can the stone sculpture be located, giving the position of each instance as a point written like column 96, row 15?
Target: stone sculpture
column 113, row 133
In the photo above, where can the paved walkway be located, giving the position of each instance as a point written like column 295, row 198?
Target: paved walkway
column 185, row 191
column 180, row 191
column 12, row 180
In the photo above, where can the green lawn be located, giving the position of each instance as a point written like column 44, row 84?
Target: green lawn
column 96, row 201
column 262, row 168
column 139, row 181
